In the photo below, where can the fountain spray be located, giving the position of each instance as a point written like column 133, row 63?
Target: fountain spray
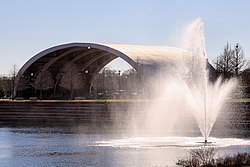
column 207, row 99
column 183, row 90
column 195, row 45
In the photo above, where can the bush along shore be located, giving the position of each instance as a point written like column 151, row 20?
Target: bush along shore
column 206, row 158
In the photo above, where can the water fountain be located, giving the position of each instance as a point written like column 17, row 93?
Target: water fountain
column 195, row 44
column 186, row 91
column 207, row 98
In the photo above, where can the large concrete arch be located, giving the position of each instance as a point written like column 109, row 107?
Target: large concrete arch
column 82, row 45
column 96, row 56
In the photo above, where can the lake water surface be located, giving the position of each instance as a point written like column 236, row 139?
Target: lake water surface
column 67, row 146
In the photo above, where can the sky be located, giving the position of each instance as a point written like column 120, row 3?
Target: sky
column 28, row 27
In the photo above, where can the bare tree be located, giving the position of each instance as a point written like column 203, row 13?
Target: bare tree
column 72, row 79
column 112, row 83
column 231, row 62
column 223, row 62
column 1, row 87
column 13, row 73
column 43, row 81
column 238, row 60
column 6, row 86
column 130, row 77
column 23, row 83
column 106, row 81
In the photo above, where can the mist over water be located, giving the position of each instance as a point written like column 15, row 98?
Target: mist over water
column 185, row 98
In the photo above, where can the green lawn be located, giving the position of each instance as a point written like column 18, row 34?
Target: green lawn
column 246, row 100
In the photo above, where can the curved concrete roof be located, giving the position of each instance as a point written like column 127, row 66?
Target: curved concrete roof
column 130, row 53
column 94, row 57
column 150, row 54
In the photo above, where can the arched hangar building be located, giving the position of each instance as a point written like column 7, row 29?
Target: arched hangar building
column 46, row 69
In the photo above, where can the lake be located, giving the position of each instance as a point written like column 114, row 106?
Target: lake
column 80, row 146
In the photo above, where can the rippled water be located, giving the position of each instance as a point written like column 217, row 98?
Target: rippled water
column 67, row 146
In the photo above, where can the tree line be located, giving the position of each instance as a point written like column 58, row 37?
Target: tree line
column 7, row 83
column 111, row 83
column 232, row 62
column 42, row 82
column 69, row 82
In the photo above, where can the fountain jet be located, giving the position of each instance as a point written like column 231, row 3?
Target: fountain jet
column 212, row 95
column 183, row 93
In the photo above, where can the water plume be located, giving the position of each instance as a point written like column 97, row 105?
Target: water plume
column 206, row 98
column 185, row 94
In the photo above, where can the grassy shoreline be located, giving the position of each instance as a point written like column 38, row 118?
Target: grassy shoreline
column 244, row 100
